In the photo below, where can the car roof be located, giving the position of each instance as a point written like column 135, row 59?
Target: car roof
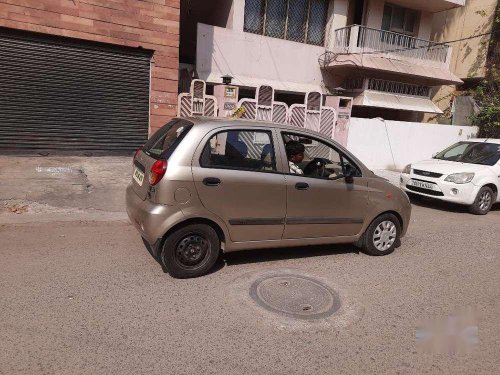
column 486, row 140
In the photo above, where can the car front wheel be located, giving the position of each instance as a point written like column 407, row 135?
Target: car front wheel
column 382, row 236
column 484, row 201
column 190, row 251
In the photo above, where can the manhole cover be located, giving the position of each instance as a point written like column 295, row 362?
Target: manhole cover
column 295, row 296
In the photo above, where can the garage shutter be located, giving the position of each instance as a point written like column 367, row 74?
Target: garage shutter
column 65, row 95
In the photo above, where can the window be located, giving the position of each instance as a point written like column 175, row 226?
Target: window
column 240, row 149
column 301, row 21
column 399, row 19
column 165, row 140
column 318, row 159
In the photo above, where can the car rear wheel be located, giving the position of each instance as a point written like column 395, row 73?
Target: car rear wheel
column 484, row 201
column 382, row 236
column 190, row 251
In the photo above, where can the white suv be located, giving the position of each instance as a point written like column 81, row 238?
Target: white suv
column 466, row 173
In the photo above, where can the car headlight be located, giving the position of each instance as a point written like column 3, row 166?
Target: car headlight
column 407, row 169
column 460, row 178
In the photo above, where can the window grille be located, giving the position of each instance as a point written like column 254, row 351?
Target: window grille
column 398, row 87
column 302, row 21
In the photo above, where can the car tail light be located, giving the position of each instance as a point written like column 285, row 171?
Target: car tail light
column 158, row 170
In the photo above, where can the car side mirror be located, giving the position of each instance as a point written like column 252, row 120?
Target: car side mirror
column 349, row 173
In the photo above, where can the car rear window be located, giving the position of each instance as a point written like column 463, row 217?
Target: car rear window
column 163, row 143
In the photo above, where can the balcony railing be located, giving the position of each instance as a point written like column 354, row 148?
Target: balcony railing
column 382, row 85
column 361, row 39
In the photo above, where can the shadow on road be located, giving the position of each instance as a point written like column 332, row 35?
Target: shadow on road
column 444, row 206
column 270, row 255
column 277, row 254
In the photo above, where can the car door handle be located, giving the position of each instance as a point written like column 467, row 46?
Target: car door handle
column 301, row 186
column 211, row 181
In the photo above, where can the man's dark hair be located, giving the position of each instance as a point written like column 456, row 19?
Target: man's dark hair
column 294, row 148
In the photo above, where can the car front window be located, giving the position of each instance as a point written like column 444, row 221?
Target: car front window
column 318, row 160
column 472, row 152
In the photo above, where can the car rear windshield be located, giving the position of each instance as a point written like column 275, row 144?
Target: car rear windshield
column 163, row 143
column 472, row 152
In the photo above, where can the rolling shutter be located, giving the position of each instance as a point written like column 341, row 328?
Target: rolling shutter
column 66, row 95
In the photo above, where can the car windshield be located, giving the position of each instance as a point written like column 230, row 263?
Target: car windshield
column 472, row 152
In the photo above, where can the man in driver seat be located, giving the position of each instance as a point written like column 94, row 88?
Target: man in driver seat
column 295, row 154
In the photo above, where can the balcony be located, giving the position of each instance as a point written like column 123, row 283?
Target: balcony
column 393, row 53
column 430, row 6
column 372, row 92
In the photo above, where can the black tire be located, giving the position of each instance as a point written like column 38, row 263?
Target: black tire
column 483, row 202
column 190, row 251
column 369, row 237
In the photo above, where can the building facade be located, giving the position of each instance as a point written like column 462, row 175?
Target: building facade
column 469, row 58
column 378, row 52
column 86, row 75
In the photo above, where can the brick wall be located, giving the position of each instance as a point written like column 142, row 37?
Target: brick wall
column 152, row 24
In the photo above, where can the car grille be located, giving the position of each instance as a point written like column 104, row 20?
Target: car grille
column 427, row 173
column 424, row 191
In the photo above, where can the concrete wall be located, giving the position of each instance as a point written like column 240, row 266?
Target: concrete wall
column 375, row 13
column 254, row 60
column 468, row 57
column 338, row 13
column 151, row 24
column 476, row 17
column 213, row 12
column 394, row 144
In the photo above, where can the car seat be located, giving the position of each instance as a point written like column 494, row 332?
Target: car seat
column 267, row 157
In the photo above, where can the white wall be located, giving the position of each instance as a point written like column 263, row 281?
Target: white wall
column 394, row 144
column 254, row 60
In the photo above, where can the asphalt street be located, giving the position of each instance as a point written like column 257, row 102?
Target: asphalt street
column 85, row 297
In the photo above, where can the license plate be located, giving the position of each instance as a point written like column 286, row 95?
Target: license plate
column 423, row 185
column 138, row 176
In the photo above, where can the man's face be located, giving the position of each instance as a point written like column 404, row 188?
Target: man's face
column 297, row 158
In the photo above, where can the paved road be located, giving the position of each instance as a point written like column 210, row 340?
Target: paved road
column 86, row 298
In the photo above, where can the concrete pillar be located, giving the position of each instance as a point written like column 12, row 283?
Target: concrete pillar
column 238, row 15
column 353, row 40
column 337, row 18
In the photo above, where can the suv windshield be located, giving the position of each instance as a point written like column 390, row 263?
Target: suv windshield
column 472, row 152
column 164, row 141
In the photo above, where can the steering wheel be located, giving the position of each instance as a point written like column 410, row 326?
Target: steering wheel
column 316, row 167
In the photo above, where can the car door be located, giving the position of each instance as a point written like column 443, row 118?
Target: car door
column 320, row 202
column 236, row 179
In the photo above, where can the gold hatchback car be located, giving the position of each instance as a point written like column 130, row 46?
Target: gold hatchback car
column 202, row 186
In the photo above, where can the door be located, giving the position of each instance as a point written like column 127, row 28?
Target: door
column 237, row 180
column 67, row 95
column 320, row 202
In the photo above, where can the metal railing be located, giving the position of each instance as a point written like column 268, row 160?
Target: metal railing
column 398, row 87
column 357, row 38
column 383, row 85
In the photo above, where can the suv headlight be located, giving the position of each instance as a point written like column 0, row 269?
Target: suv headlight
column 407, row 169
column 460, row 178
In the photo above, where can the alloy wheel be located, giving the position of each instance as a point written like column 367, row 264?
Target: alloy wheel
column 484, row 200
